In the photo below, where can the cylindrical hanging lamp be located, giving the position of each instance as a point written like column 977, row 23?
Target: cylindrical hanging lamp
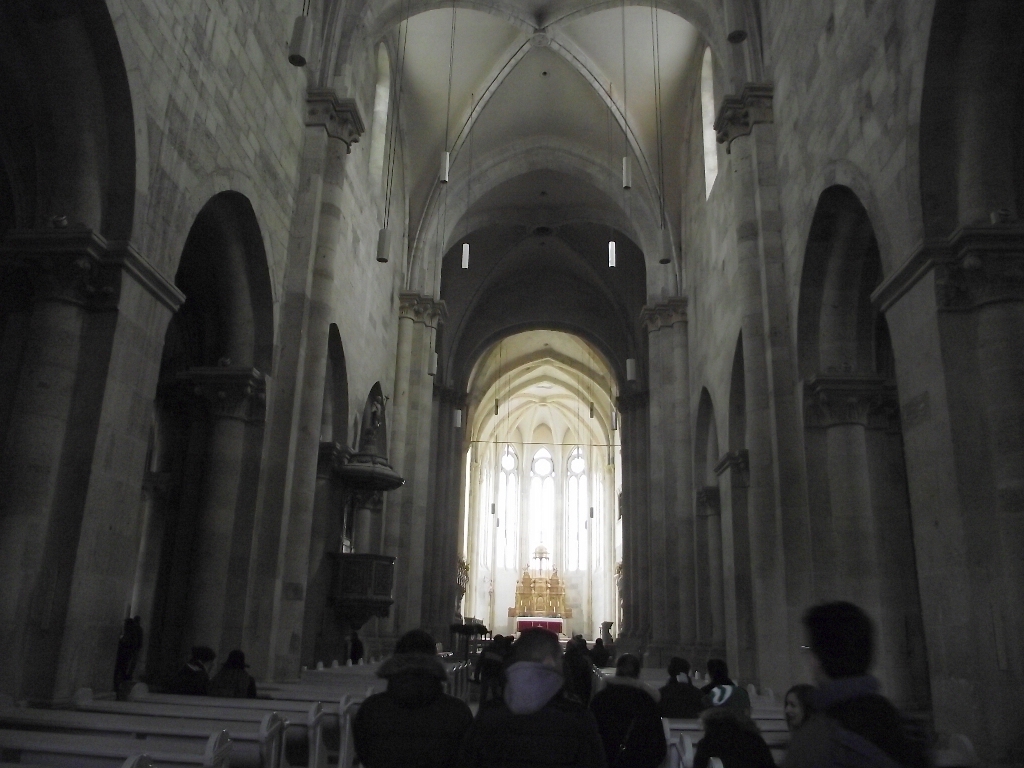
column 666, row 246
column 495, row 406
column 302, row 37
column 446, row 160
column 493, row 508
column 458, row 418
column 591, row 410
column 432, row 364
column 384, row 245
column 615, row 419
column 465, row 255
column 611, row 253
column 627, row 173
column 630, row 369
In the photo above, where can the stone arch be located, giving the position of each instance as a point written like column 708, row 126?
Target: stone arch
column 67, row 135
column 861, row 540
column 210, row 411
column 972, row 115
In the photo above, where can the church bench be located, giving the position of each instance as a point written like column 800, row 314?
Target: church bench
column 304, row 727
column 253, row 744
column 135, row 761
column 77, row 750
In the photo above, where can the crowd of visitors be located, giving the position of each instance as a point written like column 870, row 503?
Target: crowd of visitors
column 537, row 707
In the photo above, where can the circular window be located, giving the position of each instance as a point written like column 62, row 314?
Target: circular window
column 542, row 467
column 508, row 462
column 577, row 465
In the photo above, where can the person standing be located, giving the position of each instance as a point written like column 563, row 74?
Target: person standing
column 534, row 724
column 355, row 648
column 193, row 679
column 233, row 681
column 413, row 722
column 129, row 646
column 854, row 725
column 628, row 719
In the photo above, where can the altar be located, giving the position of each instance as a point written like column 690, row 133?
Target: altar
column 529, row 622
column 540, row 597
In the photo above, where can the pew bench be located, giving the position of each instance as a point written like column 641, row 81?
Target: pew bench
column 77, row 750
column 253, row 744
column 312, row 730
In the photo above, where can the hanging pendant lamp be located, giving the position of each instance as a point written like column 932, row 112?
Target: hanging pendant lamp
column 458, row 418
column 611, row 253
column 627, row 172
column 630, row 369
column 446, row 164
column 302, row 39
column 432, row 364
column 465, row 255
column 384, row 245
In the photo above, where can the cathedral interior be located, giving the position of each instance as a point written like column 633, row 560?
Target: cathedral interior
column 683, row 315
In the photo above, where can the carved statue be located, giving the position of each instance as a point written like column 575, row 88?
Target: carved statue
column 373, row 437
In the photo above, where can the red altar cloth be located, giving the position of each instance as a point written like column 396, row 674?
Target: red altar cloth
column 527, row 622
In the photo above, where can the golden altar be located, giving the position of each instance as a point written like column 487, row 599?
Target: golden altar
column 540, row 593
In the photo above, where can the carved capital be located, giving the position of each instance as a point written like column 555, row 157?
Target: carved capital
column 738, row 461
column 739, row 114
column 709, row 500
column 339, row 117
column 77, row 266
column 830, row 401
column 665, row 315
column 227, row 392
column 422, row 309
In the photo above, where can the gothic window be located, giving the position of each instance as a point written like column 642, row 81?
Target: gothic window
column 576, row 512
column 707, row 105
column 485, row 534
column 542, row 501
column 508, row 509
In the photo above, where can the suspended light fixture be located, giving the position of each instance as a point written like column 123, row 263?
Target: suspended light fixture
column 495, row 406
column 446, row 157
column 446, row 164
column 493, row 508
column 666, row 235
column 611, row 253
column 384, row 237
column 627, row 172
column 591, row 409
column 630, row 369
column 615, row 420
column 302, row 38
column 627, row 166
column 465, row 255
column 458, row 418
column 432, row 364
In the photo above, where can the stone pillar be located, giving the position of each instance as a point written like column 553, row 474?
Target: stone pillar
column 709, row 527
column 74, row 453
column 779, row 518
column 738, row 597
column 279, row 560
column 405, row 519
column 636, row 561
column 230, row 400
column 672, row 567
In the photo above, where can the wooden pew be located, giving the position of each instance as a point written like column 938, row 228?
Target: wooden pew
column 77, row 750
column 253, row 744
column 311, row 726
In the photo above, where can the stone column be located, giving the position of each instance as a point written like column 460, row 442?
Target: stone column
column 74, row 453
column 636, row 561
column 738, row 597
column 231, row 402
column 279, row 560
column 779, row 518
column 673, row 605
column 709, row 527
column 406, row 515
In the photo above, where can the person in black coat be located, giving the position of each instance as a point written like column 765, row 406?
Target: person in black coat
column 413, row 724
column 679, row 696
column 628, row 719
column 578, row 671
column 534, row 725
column 599, row 654
column 731, row 736
column 193, row 679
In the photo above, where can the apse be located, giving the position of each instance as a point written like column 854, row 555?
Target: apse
column 543, row 475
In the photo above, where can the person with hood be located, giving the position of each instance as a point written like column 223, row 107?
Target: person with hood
column 731, row 736
column 412, row 724
column 628, row 719
column 489, row 669
column 679, row 696
column 233, row 682
column 535, row 724
column 853, row 724
column 578, row 670
column 722, row 691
